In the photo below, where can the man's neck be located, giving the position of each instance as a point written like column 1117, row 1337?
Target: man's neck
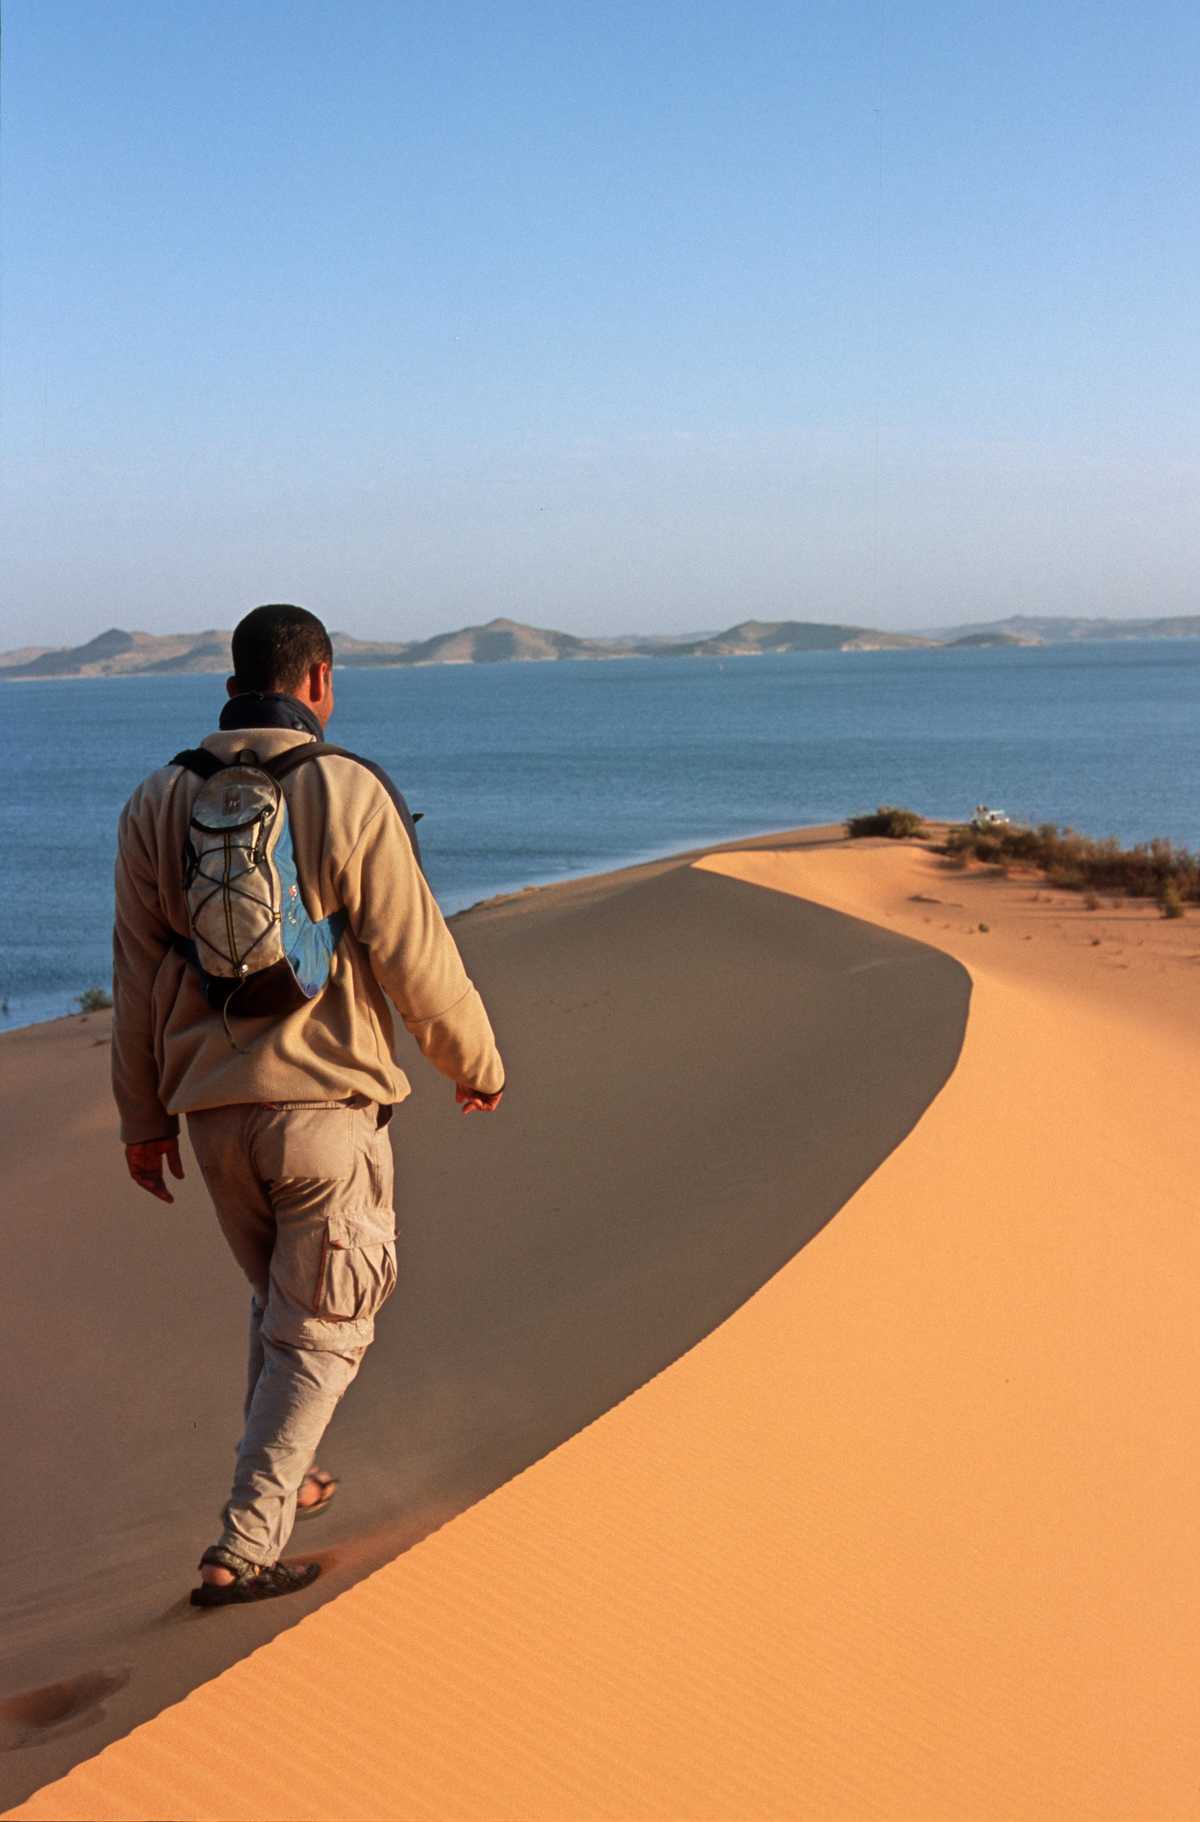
column 268, row 709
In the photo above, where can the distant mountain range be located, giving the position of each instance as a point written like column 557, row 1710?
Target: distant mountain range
column 117, row 653
column 1051, row 629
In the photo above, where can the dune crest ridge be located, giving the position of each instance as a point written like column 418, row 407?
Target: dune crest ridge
column 910, row 1534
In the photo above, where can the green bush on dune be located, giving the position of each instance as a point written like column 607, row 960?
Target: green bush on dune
column 1169, row 901
column 886, row 820
column 1078, row 863
column 93, row 999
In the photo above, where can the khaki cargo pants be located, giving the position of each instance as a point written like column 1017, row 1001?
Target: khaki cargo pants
column 303, row 1193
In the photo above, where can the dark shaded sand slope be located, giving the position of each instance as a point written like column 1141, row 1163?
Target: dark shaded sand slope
column 701, row 1074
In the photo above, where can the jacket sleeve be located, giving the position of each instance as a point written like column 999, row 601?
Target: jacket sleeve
column 141, row 940
column 413, row 955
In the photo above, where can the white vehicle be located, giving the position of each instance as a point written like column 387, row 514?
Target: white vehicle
column 988, row 819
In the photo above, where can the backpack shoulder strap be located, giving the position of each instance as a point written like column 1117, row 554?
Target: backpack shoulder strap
column 283, row 763
column 322, row 749
column 198, row 760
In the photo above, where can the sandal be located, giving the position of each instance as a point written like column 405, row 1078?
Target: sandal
column 252, row 1581
column 328, row 1487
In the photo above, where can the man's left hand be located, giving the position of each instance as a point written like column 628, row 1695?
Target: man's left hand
column 145, row 1162
column 473, row 1100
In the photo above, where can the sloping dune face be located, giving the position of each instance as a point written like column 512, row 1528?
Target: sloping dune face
column 910, row 1535
column 701, row 1075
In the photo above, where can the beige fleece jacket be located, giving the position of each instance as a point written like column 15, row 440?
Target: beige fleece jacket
column 170, row 1053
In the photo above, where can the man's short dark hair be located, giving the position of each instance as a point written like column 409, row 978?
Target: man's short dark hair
column 276, row 646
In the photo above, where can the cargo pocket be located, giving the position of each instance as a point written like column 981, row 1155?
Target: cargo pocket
column 357, row 1272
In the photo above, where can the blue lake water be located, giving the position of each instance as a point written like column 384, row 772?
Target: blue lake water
column 529, row 773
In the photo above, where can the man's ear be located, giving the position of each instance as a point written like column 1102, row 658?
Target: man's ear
column 231, row 687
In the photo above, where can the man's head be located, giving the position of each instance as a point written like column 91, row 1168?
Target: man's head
column 284, row 651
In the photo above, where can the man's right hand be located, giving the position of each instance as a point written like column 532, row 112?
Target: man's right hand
column 472, row 1100
column 145, row 1165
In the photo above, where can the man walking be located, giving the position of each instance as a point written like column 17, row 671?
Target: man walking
column 287, row 1114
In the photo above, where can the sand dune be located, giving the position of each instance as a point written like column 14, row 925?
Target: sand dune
column 910, row 1533
column 643, row 1182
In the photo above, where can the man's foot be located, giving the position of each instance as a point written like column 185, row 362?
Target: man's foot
column 316, row 1490
column 227, row 1579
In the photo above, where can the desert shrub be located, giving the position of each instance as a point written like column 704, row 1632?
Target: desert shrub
column 1170, row 903
column 1078, row 863
column 94, row 999
column 887, row 820
column 1092, row 902
column 1021, row 843
column 1066, row 877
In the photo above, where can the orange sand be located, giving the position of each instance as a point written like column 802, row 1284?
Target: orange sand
column 912, row 1535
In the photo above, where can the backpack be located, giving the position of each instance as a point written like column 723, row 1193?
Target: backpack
column 249, row 934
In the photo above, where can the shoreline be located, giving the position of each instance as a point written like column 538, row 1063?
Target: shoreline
column 934, row 830
column 506, row 894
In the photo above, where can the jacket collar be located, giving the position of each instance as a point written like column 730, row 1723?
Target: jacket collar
column 264, row 709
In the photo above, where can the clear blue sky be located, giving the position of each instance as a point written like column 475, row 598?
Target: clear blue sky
column 618, row 317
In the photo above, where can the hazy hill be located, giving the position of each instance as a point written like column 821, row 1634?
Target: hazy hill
column 975, row 641
column 751, row 637
column 1174, row 626
column 23, row 654
column 502, row 642
column 116, row 653
column 1059, row 629
column 348, row 650
column 651, row 643
column 77, row 660
column 210, row 652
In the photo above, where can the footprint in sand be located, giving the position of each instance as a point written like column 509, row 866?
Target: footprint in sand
column 57, row 1708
